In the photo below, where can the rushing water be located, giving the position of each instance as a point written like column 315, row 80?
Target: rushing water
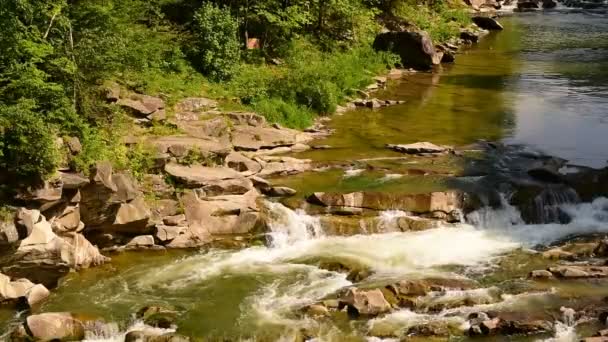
column 541, row 83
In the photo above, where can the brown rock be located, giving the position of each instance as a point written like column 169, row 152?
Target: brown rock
column 239, row 162
column 198, row 176
column 371, row 302
column 541, row 274
column 194, row 104
column 487, row 23
column 73, row 180
column 416, row 49
column 142, row 105
column 56, row 326
column 418, row 148
column 244, row 118
column 250, row 138
column 175, row 220
column 183, row 144
column 73, row 145
column 280, row 191
column 141, row 241
column 168, row 233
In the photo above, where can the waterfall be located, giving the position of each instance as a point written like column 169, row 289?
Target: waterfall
column 547, row 206
column 288, row 226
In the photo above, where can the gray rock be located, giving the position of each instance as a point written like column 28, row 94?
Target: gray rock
column 487, row 23
column 416, row 49
column 55, row 326
column 418, row 148
column 141, row 241
column 371, row 302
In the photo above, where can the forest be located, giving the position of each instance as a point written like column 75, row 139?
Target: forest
column 289, row 60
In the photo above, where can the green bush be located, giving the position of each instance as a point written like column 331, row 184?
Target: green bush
column 216, row 49
column 27, row 148
column 285, row 113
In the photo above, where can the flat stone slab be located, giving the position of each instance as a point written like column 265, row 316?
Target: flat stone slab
column 165, row 144
column 417, row 148
column 198, row 175
column 249, row 138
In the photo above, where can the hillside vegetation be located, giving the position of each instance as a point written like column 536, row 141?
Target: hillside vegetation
column 58, row 57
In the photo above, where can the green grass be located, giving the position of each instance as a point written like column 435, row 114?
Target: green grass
column 441, row 21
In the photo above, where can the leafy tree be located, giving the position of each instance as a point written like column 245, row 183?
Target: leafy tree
column 28, row 147
column 217, row 49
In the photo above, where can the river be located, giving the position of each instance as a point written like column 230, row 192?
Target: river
column 541, row 83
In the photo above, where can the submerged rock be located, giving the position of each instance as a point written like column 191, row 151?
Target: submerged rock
column 419, row 148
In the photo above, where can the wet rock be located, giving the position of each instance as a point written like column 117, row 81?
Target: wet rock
column 414, row 223
column 11, row 291
column 480, row 4
column 484, row 326
column 419, row 148
column 541, row 274
column 558, row 254
column 280, row 191
column 142, row 241
column 487, row 23
column 416, row 49
column 547, row 4
column 371, row 302
column 37, row 294
column 57, row 326
column 526, row 5
column 446, row 202
column 317, row 310
column 469, row 36
column 579, row 271
column 273, row 166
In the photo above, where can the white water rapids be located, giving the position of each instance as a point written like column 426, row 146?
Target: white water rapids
column 298, row 245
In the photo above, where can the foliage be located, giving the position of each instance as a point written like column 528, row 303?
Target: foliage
column 441, row 21
column 216, row 45
column 28, row 147
column 286, row 113
column 140, row 160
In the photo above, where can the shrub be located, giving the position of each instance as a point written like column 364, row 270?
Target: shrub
column 27, row 148
column 216, row 49
column 285, row 113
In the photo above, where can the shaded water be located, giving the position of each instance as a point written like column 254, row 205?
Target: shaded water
column 541, row 82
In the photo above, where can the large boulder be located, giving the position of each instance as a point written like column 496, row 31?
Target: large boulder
column 479, row 4
column 113, row 202
column 11, row 291
column 416, row 49
column 55, row 326
column 244, row 165
column 272, row 166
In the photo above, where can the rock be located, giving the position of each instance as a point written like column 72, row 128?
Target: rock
column 157, row 185
column 416, row 49
column 240, row 163
column 199, row 176
column 525, row 5
column 179, row 146
column 245, row 118
column 142, row 105
column 43, row 256
column 485, row 327
column 248, row 138
column 410, row 288
column 547, row 4
column 158, row 116
column 204, row 128
column 371, row 302
column 73, row 180
column 487, row 23
column 273, row 166
column 195, row 104
column 479, row 4
column 579, row 271
column 317, row 310
column 74, row 145
column 418, row 148
column 56, row 326
column 141, row 241
column 68, row 219
column 236, row 186
column 558, row 254
column 112, row 92
column 163, row 208
column 541, row 274
column 280, row 191
column 260, row 183
column 469, row 36
column 409, row 223
column 49, row 191
column 37, row 294
column 175, row 220
column 168, row 233
column 8, row 233
column 602, row 249
column 131, row 217
column 446, row 202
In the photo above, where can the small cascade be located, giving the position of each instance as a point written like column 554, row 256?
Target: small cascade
column 288, row 226
column 487, row 218
column 389, row 221
column 547, row 206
